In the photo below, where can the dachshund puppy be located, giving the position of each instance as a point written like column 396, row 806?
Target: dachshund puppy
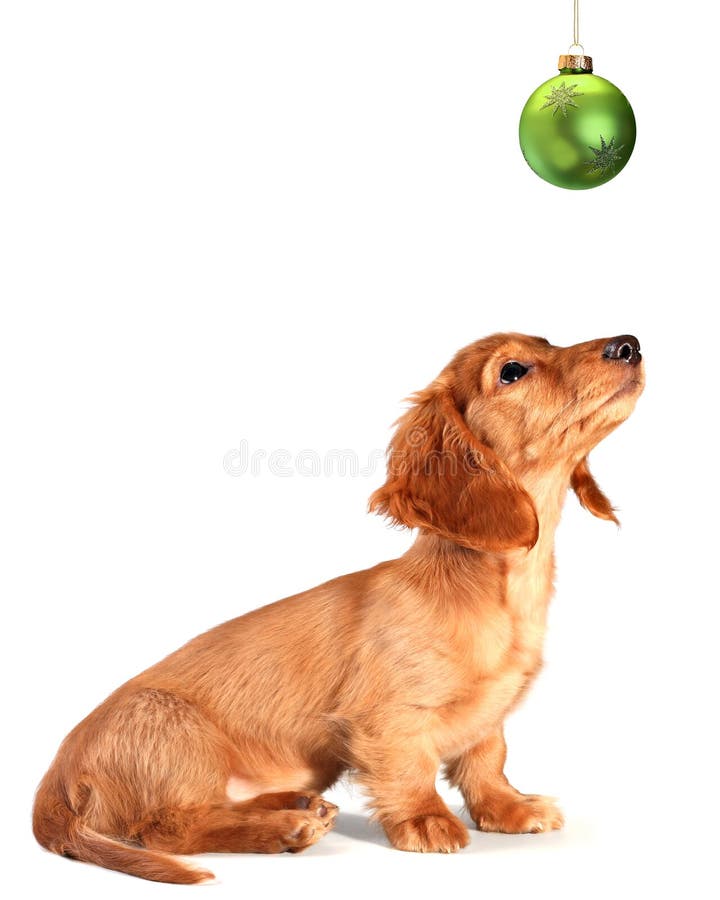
column 393, row 673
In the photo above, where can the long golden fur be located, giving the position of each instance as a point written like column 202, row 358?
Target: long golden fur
column 393, row 673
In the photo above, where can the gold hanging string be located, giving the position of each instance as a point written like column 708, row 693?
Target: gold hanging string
column 575, row 58
column 576, row 47
column 576, row 23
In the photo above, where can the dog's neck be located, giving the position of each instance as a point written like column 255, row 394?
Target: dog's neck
column 524, row 577
column 530, row 574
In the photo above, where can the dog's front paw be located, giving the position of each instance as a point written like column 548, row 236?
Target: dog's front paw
column 429, row 834
column 518, row 814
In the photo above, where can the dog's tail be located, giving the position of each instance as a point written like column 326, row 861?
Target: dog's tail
column 60, row 830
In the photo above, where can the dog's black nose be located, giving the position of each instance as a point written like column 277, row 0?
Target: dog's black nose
column 625, row 348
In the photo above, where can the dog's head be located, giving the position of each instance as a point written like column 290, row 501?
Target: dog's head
column 507, row 408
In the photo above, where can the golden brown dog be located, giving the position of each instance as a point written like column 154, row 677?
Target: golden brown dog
column 393, row 672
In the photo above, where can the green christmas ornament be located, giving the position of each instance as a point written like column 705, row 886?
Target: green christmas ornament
column 577, row 130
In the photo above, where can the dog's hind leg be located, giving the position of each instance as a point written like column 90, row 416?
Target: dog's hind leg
column 270, row 823
column 149, row 772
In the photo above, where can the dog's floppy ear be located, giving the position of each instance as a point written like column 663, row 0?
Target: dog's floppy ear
column 589, row 494
column 441, row 478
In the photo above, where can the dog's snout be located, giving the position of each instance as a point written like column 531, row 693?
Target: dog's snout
column 625, row 348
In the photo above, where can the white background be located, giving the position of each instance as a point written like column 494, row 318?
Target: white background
column 269, row 222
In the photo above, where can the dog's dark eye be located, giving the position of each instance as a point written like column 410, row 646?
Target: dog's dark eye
column 512, row 371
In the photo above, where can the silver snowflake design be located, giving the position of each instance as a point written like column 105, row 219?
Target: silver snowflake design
column 560, row 97
column 607, row 156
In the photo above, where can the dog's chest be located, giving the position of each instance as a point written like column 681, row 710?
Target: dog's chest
column 504, row 653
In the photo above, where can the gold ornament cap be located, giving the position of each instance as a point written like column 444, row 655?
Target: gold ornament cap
column 575, row 61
